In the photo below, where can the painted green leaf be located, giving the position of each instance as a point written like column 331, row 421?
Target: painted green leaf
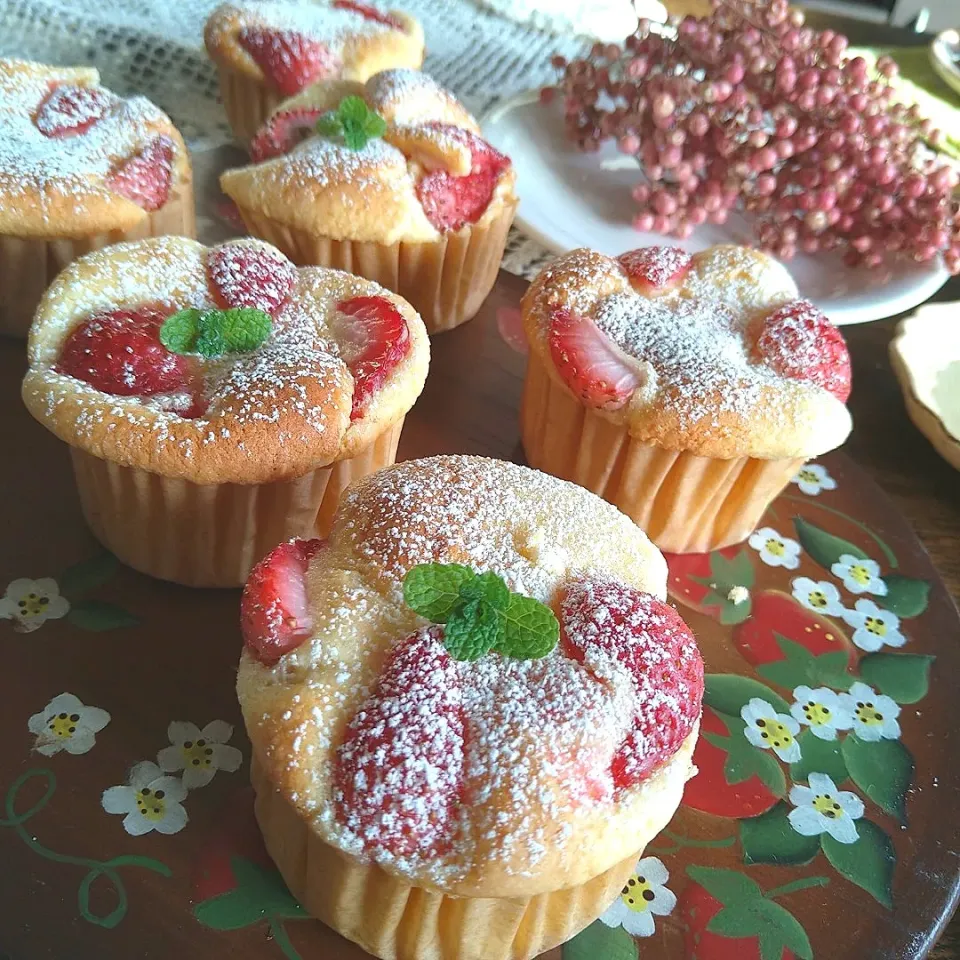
column 906, row 596
column 904, row 677
column 883, row 770
column 730, row 613
column 769, row 838
column 727, row 886
column 600, row 942
column 868, row 863
column 88, row 574
column 726, row 573
column 729, row 692
column 99, row 615
column 818, row 756
column 776, row 928
column 228, row 911
column 737, row 571
column 824, row 547
column 265, row 886
column 744, row 760
column 795, row 669
column 832, row 670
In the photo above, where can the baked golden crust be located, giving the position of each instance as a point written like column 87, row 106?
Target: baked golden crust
column 361, row 46
column 277, row 412
column 367, row 195
column 524, row 833
column 701, row 388
column 57, row 186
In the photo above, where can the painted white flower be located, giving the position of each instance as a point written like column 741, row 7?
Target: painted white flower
column 821, row 711
column 199, row 753
column 873, row 626
column 859, row 576
column 812, row 479
column 66, row 724
column 150, row 800
column 769, row 730
column 822, row 808
column 874, row 715
column 774, row 550
column 643, row 895
column 31, row 602
column 820, row 596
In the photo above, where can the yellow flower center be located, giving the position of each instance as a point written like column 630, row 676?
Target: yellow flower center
column 637, row 894
column 775, row 733
column 817, row 714
column 63, row 724
column 775, row 547
column 817, row 598
column 861, row 574
column 875, row 626
column 867, row 714
column 32, row 605
column 808, row 476
column 197, row 754
column 151, row 804
column 826, row 805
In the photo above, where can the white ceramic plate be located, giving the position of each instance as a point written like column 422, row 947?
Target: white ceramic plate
column 571, row 199
column 945, row 57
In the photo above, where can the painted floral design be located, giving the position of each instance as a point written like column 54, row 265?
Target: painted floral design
column 30, row 603
column 150, row 799
column 822, row 808
column 821, row 710
column 859, row 575
column 199, row 753
column 644, row 895
column 873, row 626
column 820, row 596
column 66, row 724
column 813, row 479
column 775, row 550
column 874, row 715
column 769, row 730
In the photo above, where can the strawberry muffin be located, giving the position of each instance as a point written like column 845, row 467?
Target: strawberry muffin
column 388, row 179
column 687, row 390
column 218, row 400
column 80, row 168
column 470, row 707
column 266, row 50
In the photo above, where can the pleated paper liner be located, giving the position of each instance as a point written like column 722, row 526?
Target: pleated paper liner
column 28, row 265
column 211, row 535
column 684, row 503
column 247, row 102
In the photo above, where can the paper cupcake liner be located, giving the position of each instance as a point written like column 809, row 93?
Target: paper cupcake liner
column 247, row 102
column 395, row 920
column 211, row 535
column 28, row 265
column 684, row 503
column 446, row 281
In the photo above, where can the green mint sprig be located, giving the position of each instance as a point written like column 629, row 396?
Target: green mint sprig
column 354, row 121
column 212, row 333
column 480, row 612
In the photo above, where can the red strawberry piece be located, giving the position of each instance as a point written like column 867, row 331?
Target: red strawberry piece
column 399, row 772
column 120, row 352
column 709, row 790
column 589, row 362
column 451, row 202
column 274, row 612
column 368, row 13
column 798, row 341
column 655, row 269
column 145, row 177
column 372, row 342
column 603, row 620
column 244, row 275
column 283, row 131
column 68, row 110
column 289, row 60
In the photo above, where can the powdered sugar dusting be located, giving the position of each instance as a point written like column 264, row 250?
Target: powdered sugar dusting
column 316, row 20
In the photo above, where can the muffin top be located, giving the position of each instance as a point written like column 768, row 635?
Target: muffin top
column 712, row 353
column 404, row 689
column 222, row 364
column 395, row 159
column 76, row 158
column 289, row 44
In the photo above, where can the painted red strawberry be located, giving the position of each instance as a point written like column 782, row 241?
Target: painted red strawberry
column 283, row 131
column 655, row 269
column 120, row 352
column 590, row 363
column 709, row 791
column 450, row 202
column 604, row 620
column 372, row 342
column 145, row 177
column 798, row 341
column 692, row 575
column 399, row 772
column 274, row 613
column 289, row 60
column 250, row 275
column 368, row 13
column 68, row 110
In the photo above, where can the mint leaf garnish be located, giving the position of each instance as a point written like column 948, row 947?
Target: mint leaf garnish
column 433, row 589
column 487, row 587
column 531, row 629
column 244, row 328
column 472, row 630
column 212, row 333
column 180, row 330
column 354, row 121
column 329, row 125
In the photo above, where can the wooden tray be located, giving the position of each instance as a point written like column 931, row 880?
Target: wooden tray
column 76, row 885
